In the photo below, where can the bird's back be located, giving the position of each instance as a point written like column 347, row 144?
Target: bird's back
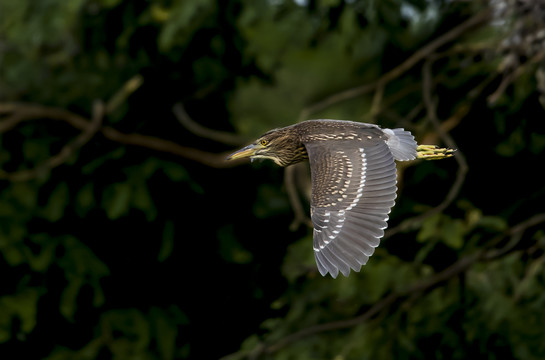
column 400, row 142
column 322, row 129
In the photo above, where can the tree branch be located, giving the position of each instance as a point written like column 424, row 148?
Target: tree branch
column 441, row 129
column 300, row 214
column 199, row 130
column 475, row 21
column 65, row 153
column 512, row 76
column 25, row 112
column 488, row 253
column 206, row 158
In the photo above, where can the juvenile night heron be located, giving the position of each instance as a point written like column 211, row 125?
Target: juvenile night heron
column 354, row 180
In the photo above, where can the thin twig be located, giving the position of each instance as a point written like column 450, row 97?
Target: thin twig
column 25, row 112
column 445, row 136
column 66, row 151
column 494, row 253
column 150, row 142
column 377, row 102
column 336, row 98
column 300, row 217
column 439, row 129
column 204, row 132
column 414, row 290
column 477, row 20
column 335, row 325
column 511, row 77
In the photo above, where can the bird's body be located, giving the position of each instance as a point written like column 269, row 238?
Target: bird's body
column 353, row 182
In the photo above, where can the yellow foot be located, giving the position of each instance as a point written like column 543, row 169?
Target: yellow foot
column 433, row 152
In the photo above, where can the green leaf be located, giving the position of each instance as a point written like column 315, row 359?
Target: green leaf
column 537, row 143
column 12, row 233
column 494, row 223
column 165, row 333
column 69, row 295
column 22, row 305
column 141, row 199
column 93, row 165
column 35, row 151
column 110, row 3
column 85, row 199
column 59, row 198
column 514, row 144
column 175, row 172
column 184, row 18
column 133, row 328
column 299, row 259
column 230, row 249
column 168, row 242
column 24, row 194
column 82, row 267
column 453, row 232
column 13, row 255
column 99, row 298
column 116, row 200
column 429, row 228
column 6, row 208
column 41, row 260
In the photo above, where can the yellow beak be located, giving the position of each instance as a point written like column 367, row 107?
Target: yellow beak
column 245, row 152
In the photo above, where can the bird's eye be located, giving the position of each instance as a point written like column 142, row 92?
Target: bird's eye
column 264, row 142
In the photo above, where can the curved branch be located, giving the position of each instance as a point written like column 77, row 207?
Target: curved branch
column 417, row 289
column 441, row 130
column 300, row 215
column 25, row 112
column 87, row 133
column 199, row 130
column 511, row 77
column 167, row 146
column 475, row 21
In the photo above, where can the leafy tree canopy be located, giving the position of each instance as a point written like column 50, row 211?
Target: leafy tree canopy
column 125, row 234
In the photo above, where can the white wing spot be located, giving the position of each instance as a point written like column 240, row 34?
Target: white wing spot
column 362, row 182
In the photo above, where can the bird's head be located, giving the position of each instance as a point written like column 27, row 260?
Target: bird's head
column 280, row 145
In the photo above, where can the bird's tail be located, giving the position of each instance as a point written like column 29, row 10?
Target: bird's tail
column 401, row 144
column 433, row 152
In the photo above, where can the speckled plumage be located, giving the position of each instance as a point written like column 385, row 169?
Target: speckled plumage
column 353, row 182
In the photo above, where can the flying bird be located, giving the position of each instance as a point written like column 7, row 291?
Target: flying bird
column 353, row 173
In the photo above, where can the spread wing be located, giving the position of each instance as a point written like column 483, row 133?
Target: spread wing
column 353, row 190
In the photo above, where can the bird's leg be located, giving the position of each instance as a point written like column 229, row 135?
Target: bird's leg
column 433, row 152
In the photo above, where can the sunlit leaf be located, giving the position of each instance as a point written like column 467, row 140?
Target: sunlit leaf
column 453, row 232
column 429, row 228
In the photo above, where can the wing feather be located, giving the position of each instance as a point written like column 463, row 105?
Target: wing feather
column 350, row 201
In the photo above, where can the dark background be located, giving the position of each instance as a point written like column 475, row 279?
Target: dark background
column 124, row 234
